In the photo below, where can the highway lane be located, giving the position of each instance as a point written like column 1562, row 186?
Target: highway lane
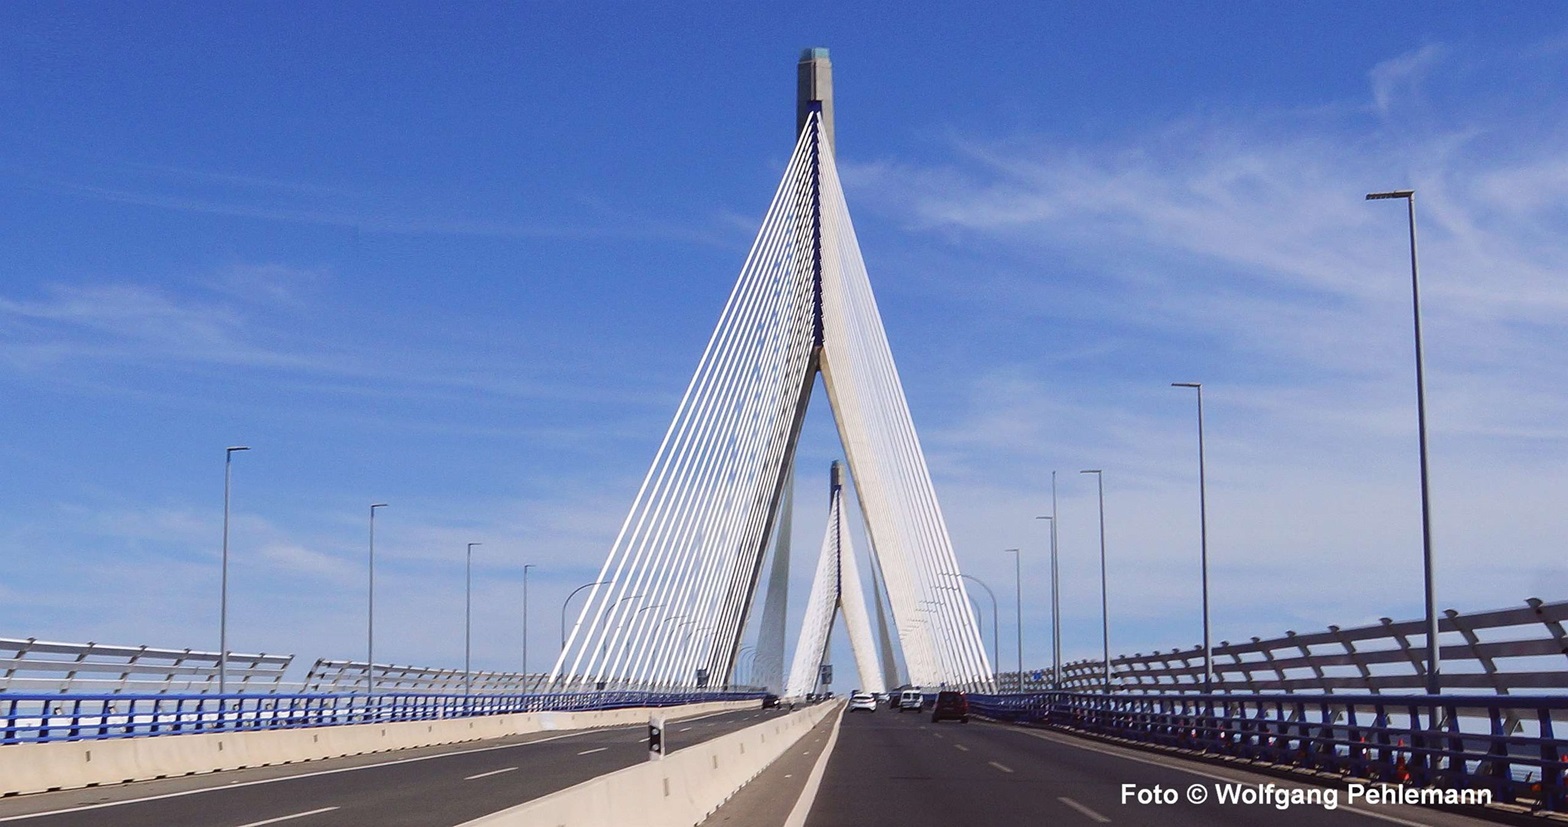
column 893, row 769
column 431, row 790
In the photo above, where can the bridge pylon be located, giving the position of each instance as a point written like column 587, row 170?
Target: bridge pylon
column 682, row 575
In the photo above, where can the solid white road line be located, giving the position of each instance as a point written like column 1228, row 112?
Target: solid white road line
column 490, row 773
column 236, row 785
column 1082, row 809
column 808, row 795
column 592, row 751
column 288, row 818
column 1001, row 767
column 1200, row 773
column 962, row 747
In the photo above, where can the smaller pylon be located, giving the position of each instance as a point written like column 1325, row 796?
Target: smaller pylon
column 834, row 589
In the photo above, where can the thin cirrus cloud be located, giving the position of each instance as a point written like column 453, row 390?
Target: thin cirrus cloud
column 1239, row 246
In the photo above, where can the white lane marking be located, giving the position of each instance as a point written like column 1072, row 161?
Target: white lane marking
column 235, row 786
column 962, row 747
column 492, row 772
column 808, row 794
column 592, row 751
column 288, row 818
column 1082, row 809
column 939, row 735
column 1201, row 774
column 1002, row 767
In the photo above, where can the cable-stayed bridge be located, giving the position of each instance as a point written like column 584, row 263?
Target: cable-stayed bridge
column 641, row 719
column 679, row 583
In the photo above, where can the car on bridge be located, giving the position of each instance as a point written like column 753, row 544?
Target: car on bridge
column 950, row 706
column 863, row 701
column 910, row 699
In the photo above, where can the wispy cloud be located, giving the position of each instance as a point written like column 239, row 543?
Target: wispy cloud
column 1239, row 247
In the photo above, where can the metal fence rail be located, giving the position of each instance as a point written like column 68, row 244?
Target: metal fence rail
column 349, row 676
column 1496, row 652
column 44, row 718
column 1507, row 745
column 31, row 665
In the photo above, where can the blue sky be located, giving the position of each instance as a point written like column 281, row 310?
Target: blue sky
column 464, row 260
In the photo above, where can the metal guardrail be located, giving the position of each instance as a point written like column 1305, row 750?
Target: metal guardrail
column 349, row 676
column 1508, row 745
column 31, row 665
column 1497, row 652
column 26, row 719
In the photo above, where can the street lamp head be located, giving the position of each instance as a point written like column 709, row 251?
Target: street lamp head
column 374, row 506
column 1186, row 384
column 234, row 448
column 471, row 546
column 1045, row 517
column 1009, row 551
column 1378, row 196
column 1090, row 471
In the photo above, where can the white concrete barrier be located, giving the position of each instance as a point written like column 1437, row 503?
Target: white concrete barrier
column 679, row 791
column 29, row 768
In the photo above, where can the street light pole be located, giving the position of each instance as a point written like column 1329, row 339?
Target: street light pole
column 370, row 634
column 569, row 600
column 995, row 651
column 1018, row 585
column 525, row 624
column 1203, row 534
column 1056, row 596
column 223, row 586
column 1105, row 603
column 1433, row 655
column 468, row 621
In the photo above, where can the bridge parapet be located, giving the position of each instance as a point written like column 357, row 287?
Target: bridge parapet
column 1499, row 652
column 1506, row 745
column 41, row 666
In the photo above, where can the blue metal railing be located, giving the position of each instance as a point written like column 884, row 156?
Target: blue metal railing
column 26, row 719
column 1507, row 744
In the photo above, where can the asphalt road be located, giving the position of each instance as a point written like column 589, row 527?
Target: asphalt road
column 899, row 769
column 433, row 789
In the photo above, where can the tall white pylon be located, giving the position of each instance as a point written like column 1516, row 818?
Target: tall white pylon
column 835, row 588
column 681, row 577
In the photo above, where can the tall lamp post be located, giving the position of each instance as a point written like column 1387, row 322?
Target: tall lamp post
column 468, row 621
column 1056, row 636
column 1434, row 683
column 995, row 651
column 1018, row 586
column 1203, row 534
column 223, row 586
column 370, row 634
column 1056, row 596
column 1105, row 603
column 526, row 567
column 569, row 600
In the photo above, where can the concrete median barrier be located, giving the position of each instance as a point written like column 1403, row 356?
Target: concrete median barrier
column 680, row 790
column 29, row 768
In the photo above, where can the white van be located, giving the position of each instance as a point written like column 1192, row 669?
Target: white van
column 910, row 699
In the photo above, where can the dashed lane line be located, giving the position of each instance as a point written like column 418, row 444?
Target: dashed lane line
column 592, row 751
column 289, row 818
column 1002, row 767
column 233, row 786
column 492, row 772
column 1082, row 809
